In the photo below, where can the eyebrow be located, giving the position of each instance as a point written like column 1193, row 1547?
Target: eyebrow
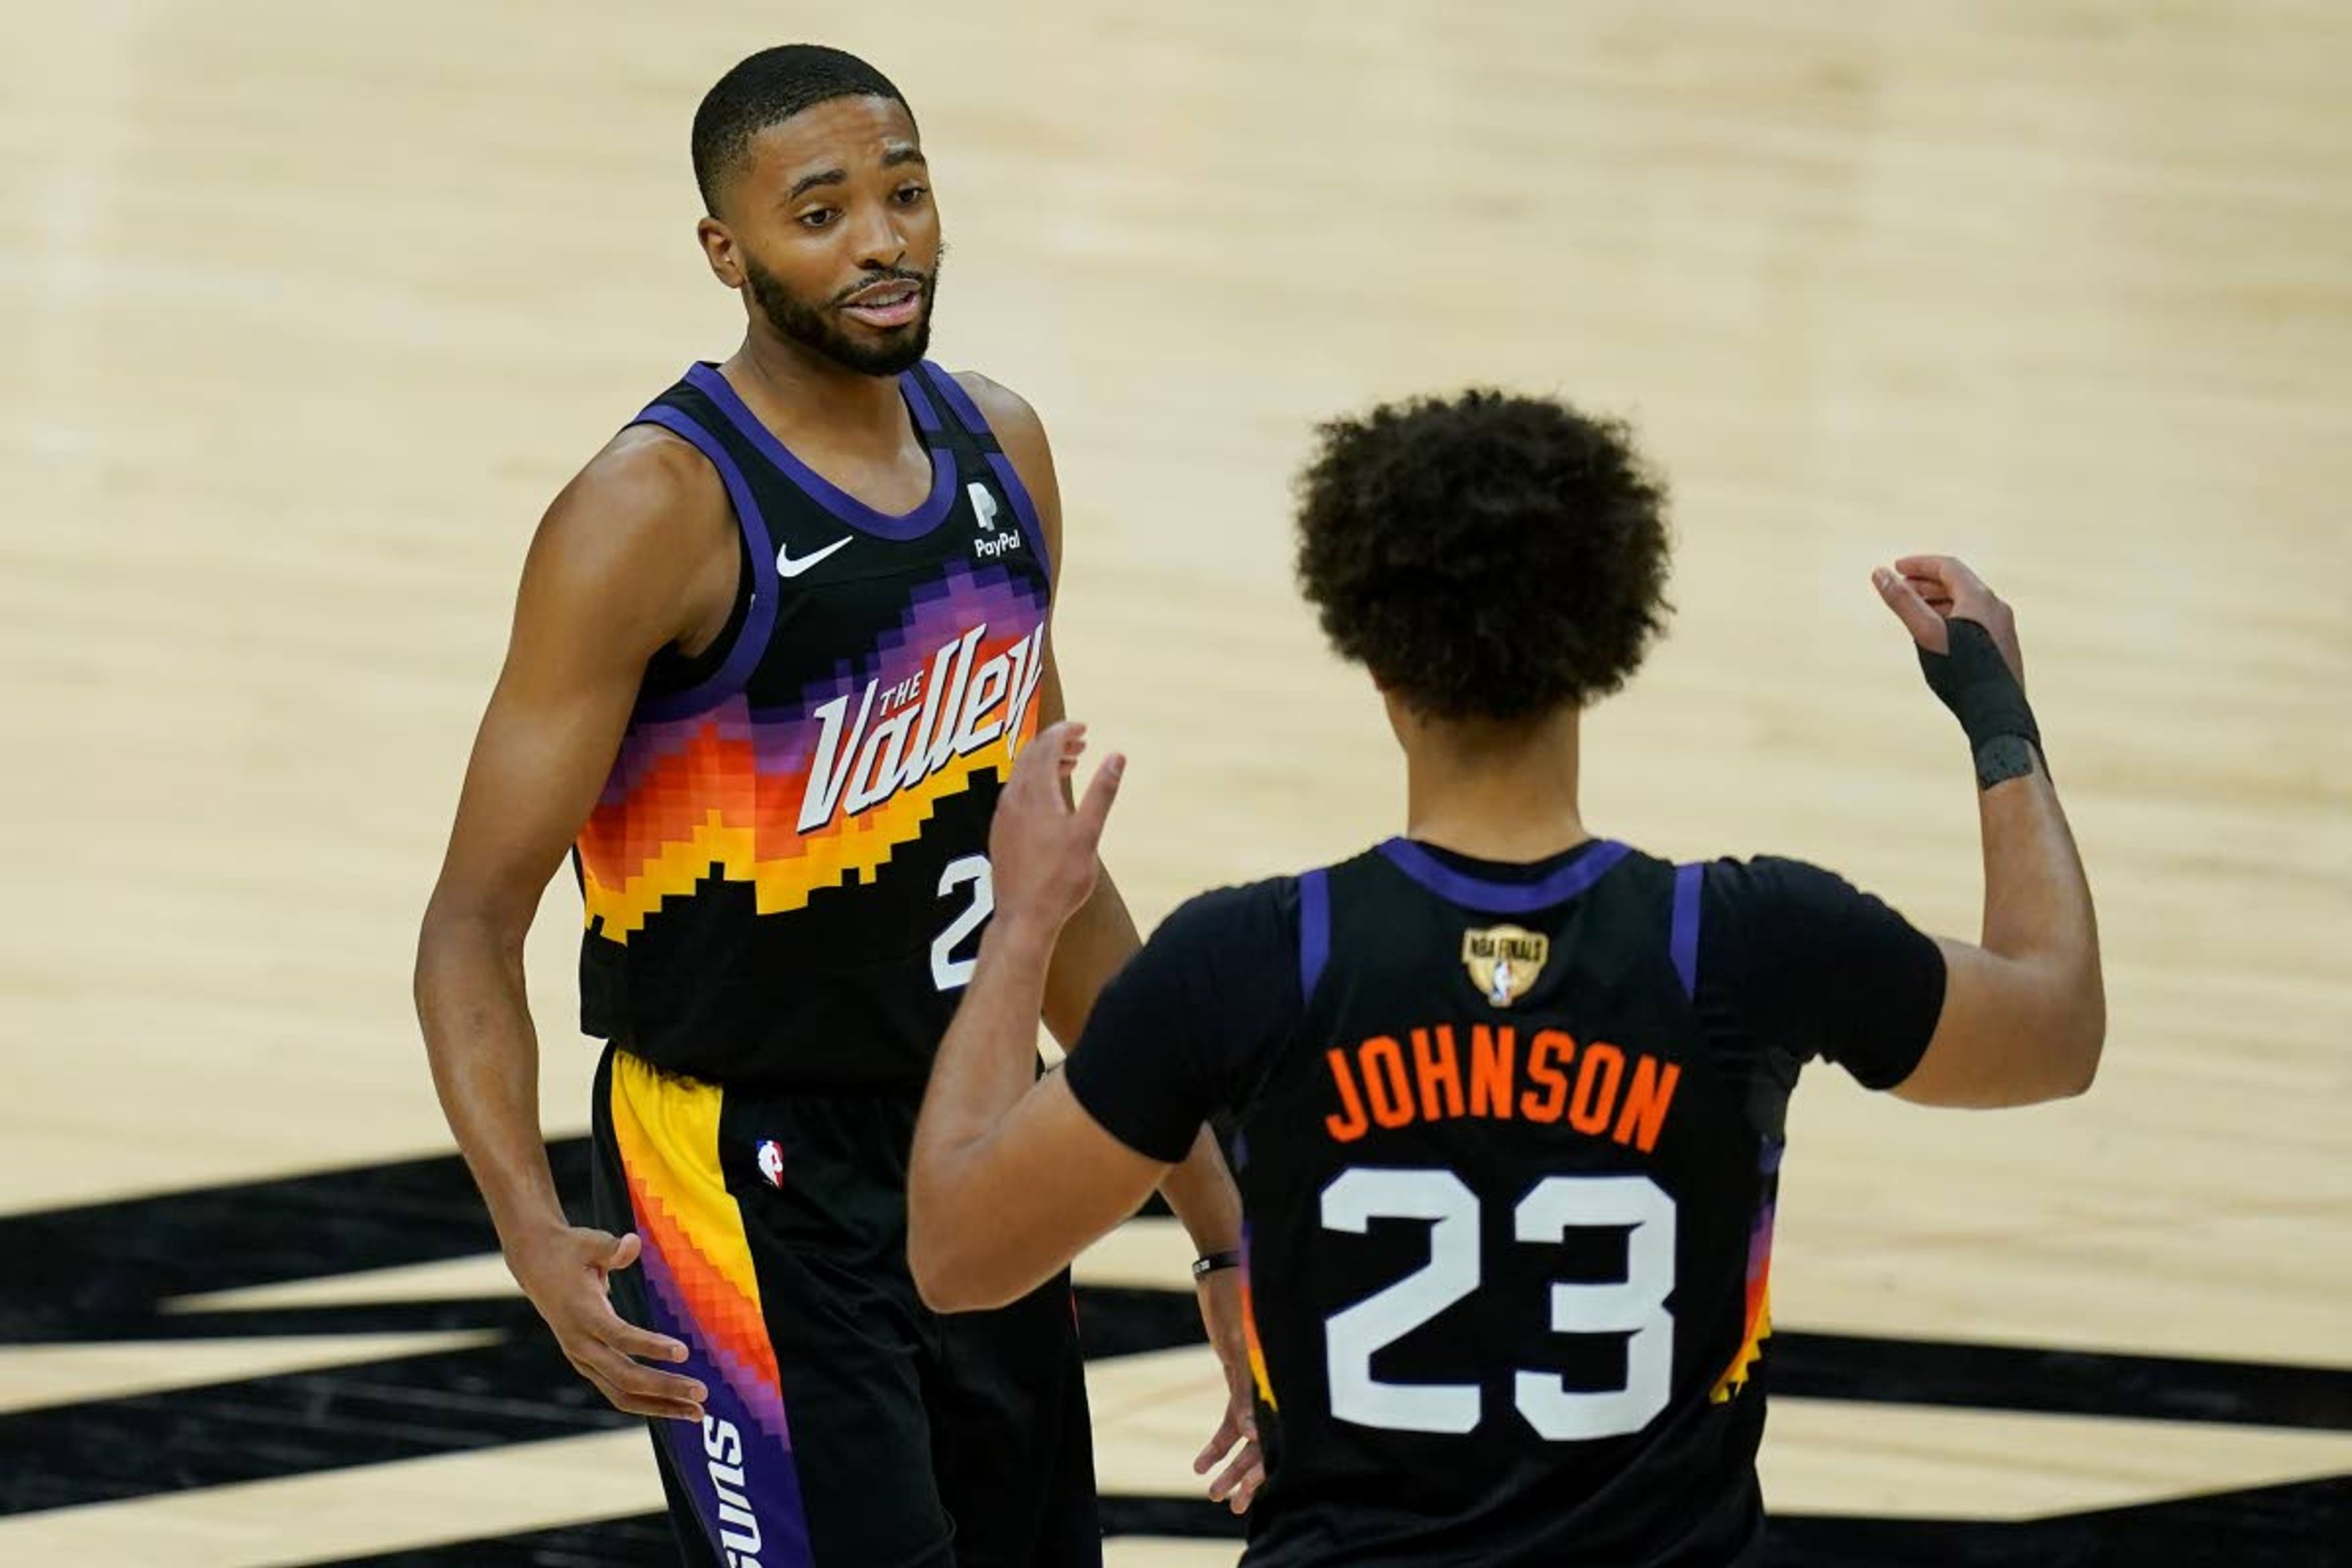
column 890, row 159
column 808, row 183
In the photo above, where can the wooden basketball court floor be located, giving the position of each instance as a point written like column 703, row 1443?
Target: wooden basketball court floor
column 310, row 307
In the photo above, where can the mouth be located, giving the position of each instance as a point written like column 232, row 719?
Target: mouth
column 892, row 303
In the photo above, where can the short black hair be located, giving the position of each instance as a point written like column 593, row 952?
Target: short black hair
column 1485, row 557
column 767, row 88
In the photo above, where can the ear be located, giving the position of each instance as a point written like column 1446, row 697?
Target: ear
column 719, row 250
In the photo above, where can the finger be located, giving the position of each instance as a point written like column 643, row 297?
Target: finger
column 1037, row 775
column 1925, row 626
column 637, row 1405
column 1238, row 1479
column 658, row 1409
column 635, row 1378
column 621, row 1252
column 1931, row 590
column 1095, row 810
column 1934, row 568
column 625, row 1337
column 1218, row 1446
column 1963, row 578
column 1247, row 1493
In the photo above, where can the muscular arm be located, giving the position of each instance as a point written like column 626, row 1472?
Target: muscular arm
column 2024, row 1012
column 1102, row 937
column 635, row 555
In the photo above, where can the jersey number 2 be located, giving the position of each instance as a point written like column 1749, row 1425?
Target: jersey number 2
column 949, row 973
column 1635, row 1307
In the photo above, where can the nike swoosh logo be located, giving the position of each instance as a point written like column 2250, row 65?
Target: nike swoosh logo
column 788, row 567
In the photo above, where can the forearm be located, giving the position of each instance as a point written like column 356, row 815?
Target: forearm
column 2037, row 900
column 485, row 1057
column 1097, row 942
column 985, row 1064
column 1203, row 1194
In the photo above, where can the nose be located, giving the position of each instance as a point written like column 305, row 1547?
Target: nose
column 881, row 244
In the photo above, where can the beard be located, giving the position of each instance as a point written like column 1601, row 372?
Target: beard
column 819, row 326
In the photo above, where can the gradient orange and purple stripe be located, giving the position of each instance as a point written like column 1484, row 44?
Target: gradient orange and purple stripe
column 703, row 1290
column 1249, row 1329
column 721, row 792
column 1758, row 1321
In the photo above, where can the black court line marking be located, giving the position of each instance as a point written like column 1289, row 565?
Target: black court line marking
column 2297, row 1526
column 105, row 1272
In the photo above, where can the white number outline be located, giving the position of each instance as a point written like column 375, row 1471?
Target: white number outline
column 1634, row 1306
column 949, row 973
column 1353, row 1336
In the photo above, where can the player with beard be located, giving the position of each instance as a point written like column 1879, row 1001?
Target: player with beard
column 773, row 652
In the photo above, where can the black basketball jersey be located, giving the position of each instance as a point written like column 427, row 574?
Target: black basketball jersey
column 785, row 877
column 1508, row 1227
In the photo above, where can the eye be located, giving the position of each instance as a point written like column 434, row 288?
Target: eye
column 819, row 218
column 907, row 195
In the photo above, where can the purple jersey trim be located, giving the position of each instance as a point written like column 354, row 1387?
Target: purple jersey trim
column 1313, row 930
column 1684, row 940
column 751, row 638
column 1025, row 507
column 847, row 507
column 927, row 415
column 1503, row 897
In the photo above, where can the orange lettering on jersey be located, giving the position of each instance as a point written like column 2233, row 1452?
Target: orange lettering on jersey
column 1438, row 1073
column 1491, row 1051
column 1596, row 1088
column 1546, row 1056
column 1384, row 1081
column 1645, row 1103
column 1599, row 1090
column 1348, row 1123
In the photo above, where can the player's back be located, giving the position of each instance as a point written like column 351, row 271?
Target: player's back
column 1508, row 1219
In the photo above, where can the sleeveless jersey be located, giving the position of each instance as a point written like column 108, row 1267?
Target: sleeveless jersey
column 785, row 877
column 1509, row 1227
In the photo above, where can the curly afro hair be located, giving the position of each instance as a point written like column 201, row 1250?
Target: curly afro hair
column 1485, row 556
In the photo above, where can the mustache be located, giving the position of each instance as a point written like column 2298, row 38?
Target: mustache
column 890, row 275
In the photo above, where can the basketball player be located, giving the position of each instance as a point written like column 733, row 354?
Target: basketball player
column 1509, row 1097
column 773, row 651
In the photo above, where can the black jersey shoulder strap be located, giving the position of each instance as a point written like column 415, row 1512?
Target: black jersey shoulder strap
column 967, row 432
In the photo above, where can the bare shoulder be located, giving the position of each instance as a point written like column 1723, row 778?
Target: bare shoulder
column 1018, row 430
column 1007, row 411
column 1022, row 436
column 642, row 531
column 646, row 495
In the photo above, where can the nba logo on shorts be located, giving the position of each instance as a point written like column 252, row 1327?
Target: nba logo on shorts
column 771, row 1161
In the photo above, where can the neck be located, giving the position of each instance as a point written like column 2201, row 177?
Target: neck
column 786, row 383
column 1493, row 791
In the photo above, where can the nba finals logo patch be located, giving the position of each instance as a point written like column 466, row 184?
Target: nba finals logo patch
column 771, row 1161
column 1503, row 961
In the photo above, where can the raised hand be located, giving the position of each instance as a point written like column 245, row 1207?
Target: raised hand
column 1925, row 591
column 1041, row 849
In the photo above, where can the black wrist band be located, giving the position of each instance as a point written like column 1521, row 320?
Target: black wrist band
column 1208, row 1263
column 2003, row 758
column 1975, row 682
